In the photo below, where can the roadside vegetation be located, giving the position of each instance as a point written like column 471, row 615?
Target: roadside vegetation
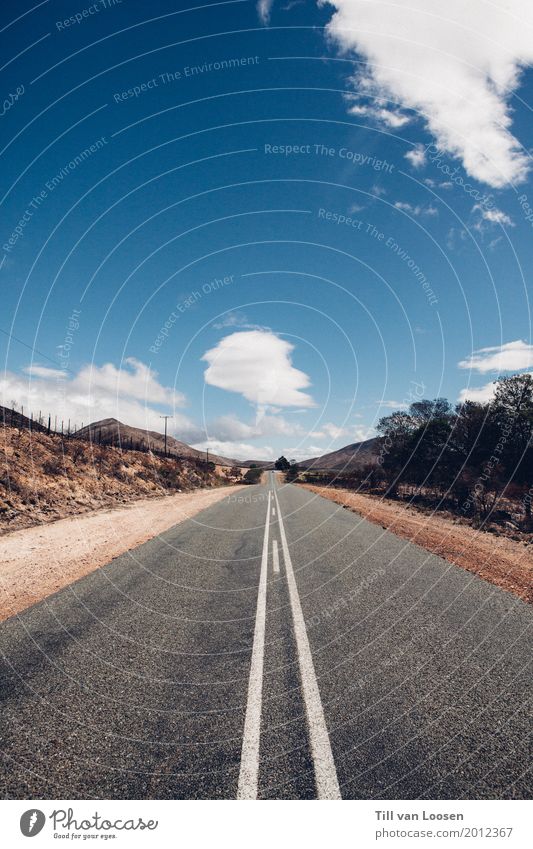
column 44, row 477
column 474, row 460
column 253, row 475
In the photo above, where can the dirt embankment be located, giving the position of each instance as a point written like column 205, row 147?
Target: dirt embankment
column 36, row 562
column 505, row 562
column 44, row 478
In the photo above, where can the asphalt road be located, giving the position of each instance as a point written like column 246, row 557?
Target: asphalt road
column 275, row 646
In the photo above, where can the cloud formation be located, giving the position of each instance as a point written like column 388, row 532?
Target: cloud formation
column 512, row 356
column 487, row 217
column 257, row 364
column 417, row 210
column 356, row 433
column 417, row 156
column 390, row 117
column 264, row 8
column 96, row 392
column 481, row 394
column 455, row 64
column 236, row 450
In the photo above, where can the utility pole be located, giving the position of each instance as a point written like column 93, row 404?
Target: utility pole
column 207, row 452
column 166, row 418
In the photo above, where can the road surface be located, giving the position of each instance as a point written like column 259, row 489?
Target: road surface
column 274, row 646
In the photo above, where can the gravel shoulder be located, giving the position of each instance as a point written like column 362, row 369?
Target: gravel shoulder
column 37, row 562
column 501, row 561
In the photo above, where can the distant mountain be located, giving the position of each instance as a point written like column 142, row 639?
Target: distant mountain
column 113, row 432
column 350, row 457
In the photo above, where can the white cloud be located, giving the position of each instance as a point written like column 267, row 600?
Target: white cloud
column 231, row 319
column 237, row 450
column 231, row 428
column 304, row 453
column 236, row 319
column 417, row 210
column 454, row 237
column 96, row 392
column 393, row 405
column 512, row 356
column 390, row 117
column 456, row 65
column 331, row 431
column 257, row 364
column 482, row 394
column 264, row 8
column 487, row 216
column 45, row 371
column 417, row 156
column 355, row 433
column 133, row 380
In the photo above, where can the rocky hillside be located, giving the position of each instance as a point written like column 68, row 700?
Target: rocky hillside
column 44, row 477
column 350, row 457
column 113, row 432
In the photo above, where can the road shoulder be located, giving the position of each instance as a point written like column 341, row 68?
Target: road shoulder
column 500, row 561
column 37, row 562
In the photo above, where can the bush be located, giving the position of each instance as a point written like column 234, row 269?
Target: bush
column 54, row 466
column 253, row 476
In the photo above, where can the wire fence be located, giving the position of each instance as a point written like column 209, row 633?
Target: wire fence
column 95, row 435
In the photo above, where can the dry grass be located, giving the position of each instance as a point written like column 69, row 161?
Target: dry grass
column 43, row 478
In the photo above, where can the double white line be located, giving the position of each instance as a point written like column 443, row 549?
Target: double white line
column 249, row 774
column 327, row 784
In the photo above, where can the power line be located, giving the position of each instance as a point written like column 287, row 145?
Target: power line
column 33, row 349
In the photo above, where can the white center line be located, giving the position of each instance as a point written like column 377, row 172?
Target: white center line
column 327, row 783
column 249, row 772
column 275, row 555
column 273, row 511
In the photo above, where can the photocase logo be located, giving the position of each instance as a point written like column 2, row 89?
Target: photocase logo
column 32, row 822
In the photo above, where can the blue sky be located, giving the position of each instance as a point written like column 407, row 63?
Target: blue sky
column 275, row 223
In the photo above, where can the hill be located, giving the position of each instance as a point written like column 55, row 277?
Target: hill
column 44, row 477
column 113, row 432
column 352, row 456
column 9, row 417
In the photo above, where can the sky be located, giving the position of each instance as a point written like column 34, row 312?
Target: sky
column 275, row 222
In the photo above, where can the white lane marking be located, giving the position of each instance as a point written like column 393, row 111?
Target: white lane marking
column 273, row 511
column 327, row 783
column 249, row 771
column 275, row 555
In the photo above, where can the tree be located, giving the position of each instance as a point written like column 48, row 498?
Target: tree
column 513, row 413
column 425, row 411
column 292, row 472
column 253, row 475
column 282, row 464
column 397, row 430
